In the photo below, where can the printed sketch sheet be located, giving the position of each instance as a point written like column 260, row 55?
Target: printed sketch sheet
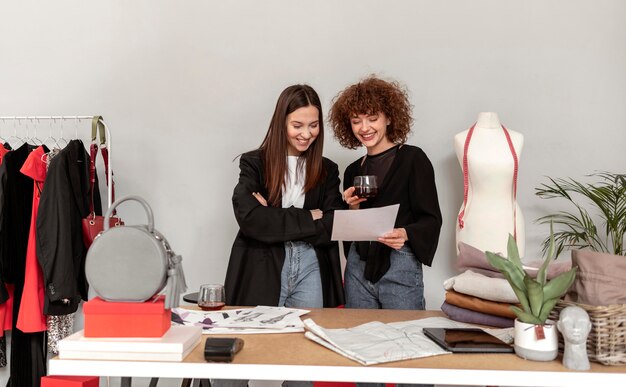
column 261, row 319
column 376, row 342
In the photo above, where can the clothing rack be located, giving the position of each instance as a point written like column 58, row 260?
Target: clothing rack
column 4, row 119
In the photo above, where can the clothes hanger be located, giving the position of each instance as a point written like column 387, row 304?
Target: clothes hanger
column 76, row 120
column 2, row 139
column 35, row 140
column 15, row 137
column 26, row 130
column 62, row 141
column 54, row 144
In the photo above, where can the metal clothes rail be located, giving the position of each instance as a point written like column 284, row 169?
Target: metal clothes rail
column 54, row 119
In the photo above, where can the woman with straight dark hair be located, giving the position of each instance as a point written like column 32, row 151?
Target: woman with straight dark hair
column 284, row 204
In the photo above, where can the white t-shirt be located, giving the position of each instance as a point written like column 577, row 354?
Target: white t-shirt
column 293, row 193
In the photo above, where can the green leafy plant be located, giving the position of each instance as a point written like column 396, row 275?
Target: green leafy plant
column 537, row 296
column 607, row 197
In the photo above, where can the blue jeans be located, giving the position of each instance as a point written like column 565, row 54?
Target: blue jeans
column 402, row 287
column 300, row 287
column 300, row 280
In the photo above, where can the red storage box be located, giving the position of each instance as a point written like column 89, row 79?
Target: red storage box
column 70, row 381
column 126, row 319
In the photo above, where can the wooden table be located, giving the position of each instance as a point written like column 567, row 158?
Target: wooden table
column 293, row 357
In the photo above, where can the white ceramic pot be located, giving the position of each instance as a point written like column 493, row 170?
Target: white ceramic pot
column 528, row 346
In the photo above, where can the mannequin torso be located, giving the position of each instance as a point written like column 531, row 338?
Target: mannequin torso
column 491, row 212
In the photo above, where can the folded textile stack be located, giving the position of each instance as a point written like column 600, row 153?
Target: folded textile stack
column 480, row 294
column 478, row 299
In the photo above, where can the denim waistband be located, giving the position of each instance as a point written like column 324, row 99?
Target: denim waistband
column 294, row 244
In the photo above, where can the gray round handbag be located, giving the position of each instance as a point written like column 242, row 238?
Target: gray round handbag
column 134, row 263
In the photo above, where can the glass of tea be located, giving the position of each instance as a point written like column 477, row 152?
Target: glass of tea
column 211, row 297
column 365, row 186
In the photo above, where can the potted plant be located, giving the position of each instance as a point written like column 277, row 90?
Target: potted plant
column 535, row 339
column 579, row 230
column 594, row 231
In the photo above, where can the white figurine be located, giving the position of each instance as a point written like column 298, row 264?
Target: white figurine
column 574, row 325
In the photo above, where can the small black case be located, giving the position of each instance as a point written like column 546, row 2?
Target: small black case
column 222, row 349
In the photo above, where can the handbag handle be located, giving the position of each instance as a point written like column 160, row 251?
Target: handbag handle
column 136, row 198
column 97, row 128
column 93, row 153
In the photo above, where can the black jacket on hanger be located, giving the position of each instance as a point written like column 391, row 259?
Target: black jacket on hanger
column 60, row 248
column 258, row 253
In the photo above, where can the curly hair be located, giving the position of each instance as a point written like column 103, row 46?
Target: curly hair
column 370, row 96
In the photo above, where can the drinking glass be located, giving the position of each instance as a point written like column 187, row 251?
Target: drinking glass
column 365, row 186
column 211, row 297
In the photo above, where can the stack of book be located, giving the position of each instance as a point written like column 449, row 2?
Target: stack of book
column 174, row 345
column 129, row 331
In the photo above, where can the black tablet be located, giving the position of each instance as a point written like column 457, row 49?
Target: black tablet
column 467, row 340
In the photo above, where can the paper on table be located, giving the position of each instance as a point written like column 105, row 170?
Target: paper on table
column 262, row 319
column 364, row 225
column 375, row 342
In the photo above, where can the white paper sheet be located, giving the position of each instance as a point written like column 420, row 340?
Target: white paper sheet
column 375, row 342
column 262, row 319
column 364, row 225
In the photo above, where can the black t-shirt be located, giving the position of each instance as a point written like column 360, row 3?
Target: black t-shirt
column 378, row 165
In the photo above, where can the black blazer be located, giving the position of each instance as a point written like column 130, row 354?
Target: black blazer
column 60, row 248
column 410, row 182
column 258, row 253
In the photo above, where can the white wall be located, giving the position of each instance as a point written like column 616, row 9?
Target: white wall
column 186, row 86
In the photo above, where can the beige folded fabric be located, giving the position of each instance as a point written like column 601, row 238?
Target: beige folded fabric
column 478, row 285
column 476, row 304
column 471, row 258
column 600, row 280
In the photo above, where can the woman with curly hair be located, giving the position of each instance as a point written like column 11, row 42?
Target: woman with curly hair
column 387, row 273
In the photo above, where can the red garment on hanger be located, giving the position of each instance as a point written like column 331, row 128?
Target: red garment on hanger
column 6, row 312
column 3, row 151
column 30, row 317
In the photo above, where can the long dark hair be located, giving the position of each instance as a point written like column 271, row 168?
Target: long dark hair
column 274, row 146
